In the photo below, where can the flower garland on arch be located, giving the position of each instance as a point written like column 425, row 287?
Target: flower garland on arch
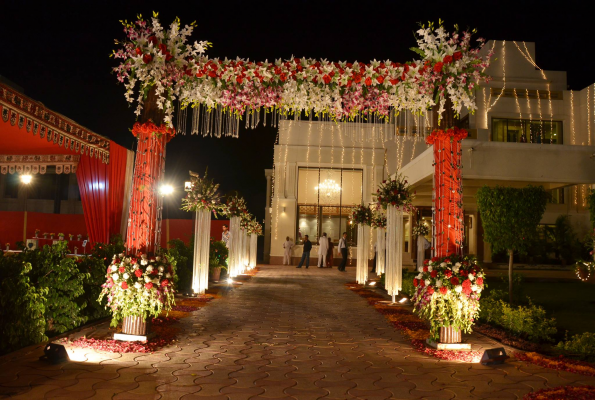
column 203, row 194
column 139, row 129
column 361, row 215
column 448, row 291
column 154, row 56
column 396, row 192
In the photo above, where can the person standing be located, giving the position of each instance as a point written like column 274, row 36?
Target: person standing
column 329, row 253
column 322, row 250
column 225, row 235
column 287, row 251
column 343, row 250
column 306, row 253
column 422, row 246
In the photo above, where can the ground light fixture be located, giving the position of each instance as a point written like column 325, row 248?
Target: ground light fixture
column 229, row 280
column 166, row 190
column 26, row 179
column 403, row 300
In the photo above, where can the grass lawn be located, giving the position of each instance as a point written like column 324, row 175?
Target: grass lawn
column 571, row 303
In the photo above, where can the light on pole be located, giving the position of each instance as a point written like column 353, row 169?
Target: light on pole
column 26, row 180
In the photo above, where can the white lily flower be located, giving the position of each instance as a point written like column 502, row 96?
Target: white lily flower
column 125, row 275
column 115, row 277
column 114, row 268
column 458, row 289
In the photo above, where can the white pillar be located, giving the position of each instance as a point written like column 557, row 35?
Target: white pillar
column 200, row 270
column 253, row 246
column 394, row 250
column 380, row 250
column 234, row 246
column 363, row 238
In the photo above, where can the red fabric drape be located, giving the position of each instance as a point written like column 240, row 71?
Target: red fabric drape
column 92, row 176
column 117, row 184
column 448, row 191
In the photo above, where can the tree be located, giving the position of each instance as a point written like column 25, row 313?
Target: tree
column 510, row 217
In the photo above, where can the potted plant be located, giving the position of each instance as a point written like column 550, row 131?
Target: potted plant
column 45, row 235
column 136, row 290
column 79, row 237
column 52, row 235
column 447, row 295
column 70, row 237
column 218, row 253
column 7, row 246
column 37, row 233
column 60, row 236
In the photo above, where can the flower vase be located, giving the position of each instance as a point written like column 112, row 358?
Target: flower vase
column 79, row 237
column 136, row 326
column 216, row 274
column 45, row 236
column 60, row 237
column 51, row 236
column 449, row 334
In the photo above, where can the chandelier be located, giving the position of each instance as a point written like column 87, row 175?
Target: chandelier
column 328, row 188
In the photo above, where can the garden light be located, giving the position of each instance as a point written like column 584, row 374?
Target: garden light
column 403, row 300
column 229, row 280
column 26, row 179
column 166, row 190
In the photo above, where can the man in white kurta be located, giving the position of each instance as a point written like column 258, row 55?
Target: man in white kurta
column 322, row 250
column 422, row 246
column 287, row 251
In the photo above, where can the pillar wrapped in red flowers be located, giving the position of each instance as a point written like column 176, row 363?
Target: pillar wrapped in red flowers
column 448, row 191
column 144, row 219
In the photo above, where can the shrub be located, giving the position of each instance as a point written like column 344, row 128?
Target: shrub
column 181, row 258
column 490, row 309
column 583, row 344
column 218, row 254
column 22, row 306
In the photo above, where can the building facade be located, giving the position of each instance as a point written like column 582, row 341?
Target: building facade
column 528, row 129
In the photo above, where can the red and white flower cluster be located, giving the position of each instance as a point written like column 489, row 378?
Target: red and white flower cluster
column 154, row 56
column 448, row 291
column 138, row 287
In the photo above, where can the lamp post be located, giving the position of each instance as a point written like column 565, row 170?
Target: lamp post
column 25, row 180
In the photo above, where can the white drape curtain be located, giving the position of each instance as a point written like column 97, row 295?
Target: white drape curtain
column 363, row 243
column 202, row 233
column 253, row 245
column 234, row 247
column 394, row 250
column 380, row 250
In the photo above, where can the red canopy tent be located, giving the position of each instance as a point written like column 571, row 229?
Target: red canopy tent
column 33, row 137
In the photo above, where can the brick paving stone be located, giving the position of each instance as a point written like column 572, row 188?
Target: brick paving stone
column 284, row 334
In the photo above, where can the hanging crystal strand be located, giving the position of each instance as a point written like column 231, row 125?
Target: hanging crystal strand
column 219, row 120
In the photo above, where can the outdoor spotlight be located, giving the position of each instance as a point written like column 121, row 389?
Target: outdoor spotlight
column 494, row 356
column 26, row 179
column 404, row 299
column 372, row 283
column 229, row 280
column 55, row 353
column 187, row 186
column 166, row 190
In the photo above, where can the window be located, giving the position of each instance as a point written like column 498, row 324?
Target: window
column 325, row 199
column 556, row 196
column 526, row 131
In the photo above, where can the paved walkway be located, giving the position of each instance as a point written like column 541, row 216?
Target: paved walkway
column 287, row 334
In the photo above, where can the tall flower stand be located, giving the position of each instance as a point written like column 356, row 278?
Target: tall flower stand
column 394, row 254
column 380, row 250
column 200, row 272
column 363, row 239
column 253, row 247
column 234, row 246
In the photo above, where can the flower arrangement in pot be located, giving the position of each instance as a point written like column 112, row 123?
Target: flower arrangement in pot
column 378, row 220
column 361, row 215
column 421, row 229
column 45, row 235
column 447, row 293
column 79, row 237
column 60, row 236
column 235, row 206
column 138, row 289
column 203, row 194
column 395, row 192
column 37, row 232
column 218, row 254
column 52, row 234
column 70, row 237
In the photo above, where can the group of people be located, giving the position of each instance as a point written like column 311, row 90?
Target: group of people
column 325, row 252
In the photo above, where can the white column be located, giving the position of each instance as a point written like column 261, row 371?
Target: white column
column 234, row 246
column 200, row 271
column 380, row 250
column 394, row 250
column 253, row 246
column 363, row 238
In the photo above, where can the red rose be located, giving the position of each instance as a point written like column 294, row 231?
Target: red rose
column 239, row 79
column 163, row 48
column 138, row 51
column 466, row 283
column 479, row 281
column 393, row 81
column 153, row 40
column 415, row 282
column 434, row 273
column 147, row 58
column 448, row 273
column 447, row 60
column 457, row 55
column 122, row 270
column 283, row 77
column 426, row 262
column 149, row 285
column 454, row 280
column 357, row 78
column 467, row 290
column 422, row 283
column 165, row 282
column 443, row 290
column 463, row 272
column 124, row 285
column 430, row 290
column 434, row 259
column 438, row 67
column 380, row 79
column 138, row 273
column 368, row 81
column 326, row 79
column 447, row 260
column 425, row 269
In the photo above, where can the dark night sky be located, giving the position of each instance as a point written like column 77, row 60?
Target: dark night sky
column 58, row 52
